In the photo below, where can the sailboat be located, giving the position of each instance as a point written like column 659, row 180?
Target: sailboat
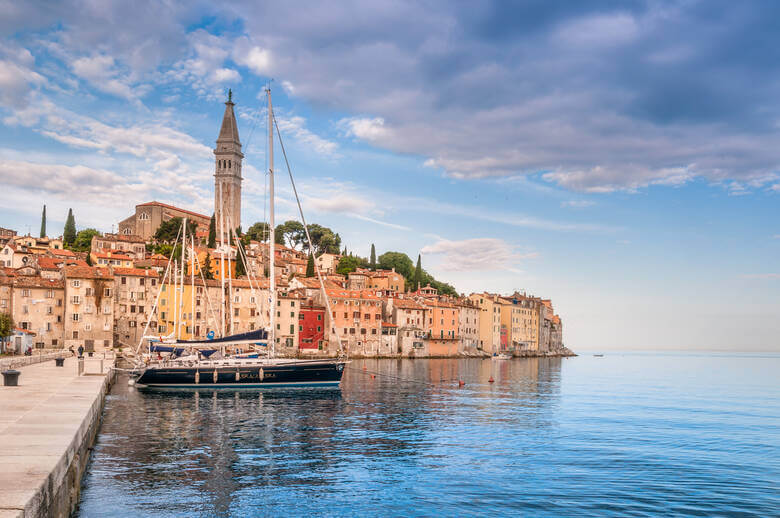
column 213, row 363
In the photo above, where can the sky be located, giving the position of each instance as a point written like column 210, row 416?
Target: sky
column 621, row 158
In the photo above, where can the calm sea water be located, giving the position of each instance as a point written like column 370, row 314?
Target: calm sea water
column 623, row 435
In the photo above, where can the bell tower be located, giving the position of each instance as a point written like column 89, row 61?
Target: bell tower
column 227, row 176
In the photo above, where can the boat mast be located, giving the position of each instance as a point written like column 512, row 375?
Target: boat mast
column 222, row 261
column 271, row 234
column 181, row 281
column 192, row 287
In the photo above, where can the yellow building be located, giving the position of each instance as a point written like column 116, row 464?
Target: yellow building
column 489, row 321
column 519, row 323
column 215, row 264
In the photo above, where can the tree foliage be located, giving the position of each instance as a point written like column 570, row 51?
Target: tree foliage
column 212, row 243
column 6, row 325
column 417, row 274
column 43, row 222
column 83, row 241
column 208, row 273
column 69, row 232
column 349, row 264
column 258, row 231
column 403, row 265
column 310, row 266
column 373, row 257
column 168, row 230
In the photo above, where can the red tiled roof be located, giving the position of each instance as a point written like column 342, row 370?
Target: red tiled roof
column 87, row 272
column 62, row 252
column 159, row 204
column 352, row 294
column 37, row 282
column 388, row 324
column 50, row 263
column 135, row 272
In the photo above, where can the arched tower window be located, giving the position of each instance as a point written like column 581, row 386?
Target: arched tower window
column 229, row 162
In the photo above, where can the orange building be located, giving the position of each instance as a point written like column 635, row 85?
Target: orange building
column 357, row 317
column 214, row 262
column 442, row 328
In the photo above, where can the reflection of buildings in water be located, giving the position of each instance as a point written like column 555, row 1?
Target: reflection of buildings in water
column 216, row 441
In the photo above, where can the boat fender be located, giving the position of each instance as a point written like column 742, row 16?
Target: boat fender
column 491, row 380
column 237, row 376
column 215, row 375
column 261, row 374
column 197, row 377
column 461, row 383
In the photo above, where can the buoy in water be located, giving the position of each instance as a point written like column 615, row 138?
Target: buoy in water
column 491, row 380
column 461, row 383
column 372, row 376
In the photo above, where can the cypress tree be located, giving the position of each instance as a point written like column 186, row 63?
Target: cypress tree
column 310, row 266
column 207, row 273
column 212, row 233
column 43, row 222
column 89, row 259
column 69, row 233
column 373, row 257
column 418, row 274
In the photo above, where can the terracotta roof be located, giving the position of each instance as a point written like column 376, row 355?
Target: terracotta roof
column 61, row 252
column 87, row 272
column 37, row 282
column 135, row 272
column 407, row 304
column 388, row 324
column 50, row 263
column 352, row 294
column 159, row 204
column 314, row 283
column 24, row 331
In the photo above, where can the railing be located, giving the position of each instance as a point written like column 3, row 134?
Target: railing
column 22, row 361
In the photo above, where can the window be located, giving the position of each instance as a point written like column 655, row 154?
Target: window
column 319, row 329
column 25, row 310
column 235, row 312
column 75, row 299
column 75, row 283
column 49, row 294
column 25, row 293
column 124, row 280
column 300, row 328
column 75, row 317
column 292, row 329
column 87, row 327
column 319, row 316
column 89, row 292
column 75, row 335
column 292, row 303
column 292, row 314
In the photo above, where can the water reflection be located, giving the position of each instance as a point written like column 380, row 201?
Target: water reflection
column 210, row 452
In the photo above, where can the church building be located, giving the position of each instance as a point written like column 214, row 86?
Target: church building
column 227, row 190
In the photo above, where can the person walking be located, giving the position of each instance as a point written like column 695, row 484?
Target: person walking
column 81, row 351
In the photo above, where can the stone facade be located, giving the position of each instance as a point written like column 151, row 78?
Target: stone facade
column 148, row 217
column 89, row 314
column 227, row 184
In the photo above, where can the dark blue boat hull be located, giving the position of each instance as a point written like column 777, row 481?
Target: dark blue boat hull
column 320, row 374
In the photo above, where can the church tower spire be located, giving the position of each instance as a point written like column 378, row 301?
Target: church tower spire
column 227, row 176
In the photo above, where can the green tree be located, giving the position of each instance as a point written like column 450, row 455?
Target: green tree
column 417, row 274
column 290, row 233
column 168, row 230
column 349, row 264
column 212, row 232
column 373, row 257
column 240, row 266
column 83, row 241
column 398, row 260
column 69, row 233
column 206, row 268
column 258, row 231
column 43, row 222
column 6, row 325
column 89, row 259
column 310, row 266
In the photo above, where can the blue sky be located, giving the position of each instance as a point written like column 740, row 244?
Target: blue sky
column 618, row 157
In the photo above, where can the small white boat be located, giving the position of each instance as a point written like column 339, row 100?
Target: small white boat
column 502, row 356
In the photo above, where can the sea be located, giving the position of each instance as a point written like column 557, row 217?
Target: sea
column 623, row 434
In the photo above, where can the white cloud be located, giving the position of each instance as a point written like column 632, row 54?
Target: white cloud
column 577, row 204
column 295, row 126
column 372, row 130
column 256, row 59
column 481, row 254
column 339, row 204
column 101, row 72
column 225, row 75
column 16, row 78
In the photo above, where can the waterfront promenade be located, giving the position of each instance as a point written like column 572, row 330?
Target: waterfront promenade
column 47, row 425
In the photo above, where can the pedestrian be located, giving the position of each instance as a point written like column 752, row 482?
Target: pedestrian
column 81, row 351
column 72, row 352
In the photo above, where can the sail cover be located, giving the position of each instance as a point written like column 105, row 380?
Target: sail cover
column 251, row 337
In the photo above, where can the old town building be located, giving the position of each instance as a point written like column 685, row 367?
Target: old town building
column 89, row 315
